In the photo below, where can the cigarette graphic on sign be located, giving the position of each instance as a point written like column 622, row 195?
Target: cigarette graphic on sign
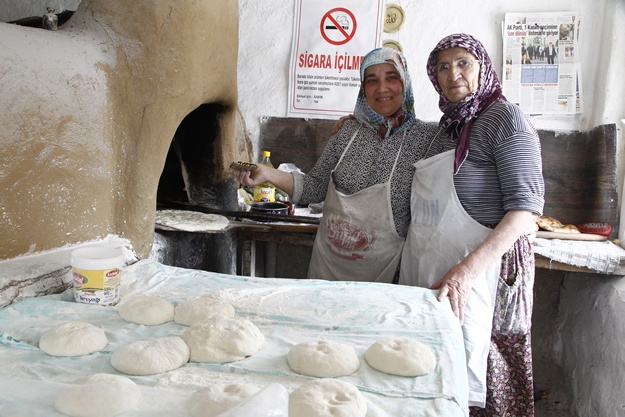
column 338, row 26
column 342, row 21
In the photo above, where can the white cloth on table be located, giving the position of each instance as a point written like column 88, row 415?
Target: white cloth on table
column 601, row 256
column 287, row 311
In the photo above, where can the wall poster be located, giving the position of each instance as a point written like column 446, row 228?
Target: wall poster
column 330, row 38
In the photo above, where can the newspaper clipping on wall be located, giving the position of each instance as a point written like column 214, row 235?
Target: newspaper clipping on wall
column 541, row 70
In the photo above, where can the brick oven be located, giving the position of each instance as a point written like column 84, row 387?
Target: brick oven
column 124, row 103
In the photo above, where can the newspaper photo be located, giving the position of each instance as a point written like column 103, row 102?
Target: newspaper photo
column 541, row 70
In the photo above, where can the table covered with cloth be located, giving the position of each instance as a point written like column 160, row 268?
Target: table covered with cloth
column 287, row 312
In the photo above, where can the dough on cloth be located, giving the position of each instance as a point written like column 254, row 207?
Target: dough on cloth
column 99, row 395
column 401, row 356
column 75, row 338
column 147, row 357
column 148, row 310
column 327, row 398
column 223, row 339
column 216, row 399
column 201, row 309
column 191, row 221
column 323, row 358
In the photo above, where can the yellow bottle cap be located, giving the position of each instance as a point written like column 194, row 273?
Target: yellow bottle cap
column 266, row 153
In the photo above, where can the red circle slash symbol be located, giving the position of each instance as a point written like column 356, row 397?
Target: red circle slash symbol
column 338, row 26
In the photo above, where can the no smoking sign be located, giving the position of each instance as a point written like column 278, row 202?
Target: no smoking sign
column 338, row 26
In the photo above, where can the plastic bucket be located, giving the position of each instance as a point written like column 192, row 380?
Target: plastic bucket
column 97, row 273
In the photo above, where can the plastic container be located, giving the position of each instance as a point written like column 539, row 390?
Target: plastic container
column 97, row 273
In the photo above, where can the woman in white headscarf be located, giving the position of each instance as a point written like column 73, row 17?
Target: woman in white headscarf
column 363, row 177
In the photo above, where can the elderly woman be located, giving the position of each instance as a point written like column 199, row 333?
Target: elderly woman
column 363, row 177
column 471, row 209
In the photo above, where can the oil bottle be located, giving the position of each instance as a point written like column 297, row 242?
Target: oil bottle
column 265, row 192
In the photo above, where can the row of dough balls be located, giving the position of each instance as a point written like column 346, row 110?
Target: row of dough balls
column 329, row 359
column 216, row 336
column 110, row 395
column 404, row 357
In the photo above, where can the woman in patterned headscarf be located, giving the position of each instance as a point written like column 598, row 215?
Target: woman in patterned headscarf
column 472, row 207
column 363, row 177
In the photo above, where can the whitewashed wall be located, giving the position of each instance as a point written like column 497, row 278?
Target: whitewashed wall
column 265, row 48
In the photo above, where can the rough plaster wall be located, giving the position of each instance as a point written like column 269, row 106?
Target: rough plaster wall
column 591, row 342
column 89, row 111
column 58, row 161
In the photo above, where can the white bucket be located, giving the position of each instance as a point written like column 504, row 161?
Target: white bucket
column 97, row 274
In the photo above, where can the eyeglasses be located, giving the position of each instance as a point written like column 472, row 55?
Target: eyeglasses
column 461, row 64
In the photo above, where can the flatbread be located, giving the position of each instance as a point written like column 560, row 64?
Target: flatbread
column 191, row 221
column 554, row 225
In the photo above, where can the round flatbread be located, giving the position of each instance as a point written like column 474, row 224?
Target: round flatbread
column 199, row 310
column 147, row 309
column 148, row 357
column 554, row 225
column 401, row 356
column 223, row 339
column 75, row 338
column 327, row 397
column 99, row 395
column 217, row 399
column 191, row 221
column 323, row 359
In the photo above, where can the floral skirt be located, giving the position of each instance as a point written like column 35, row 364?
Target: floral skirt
column 510, row 379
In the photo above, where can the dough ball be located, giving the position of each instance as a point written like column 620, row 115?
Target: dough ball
column 200, row 310
column 327, row 398
column 148, row 310
column 216, row 399
column 324, row 359
column 147, row 357
column 404, row 357
column 76, row 338
column 223, row 339
column 99, row 395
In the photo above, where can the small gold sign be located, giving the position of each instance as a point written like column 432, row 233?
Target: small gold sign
column 393, row 18
column 389, row 43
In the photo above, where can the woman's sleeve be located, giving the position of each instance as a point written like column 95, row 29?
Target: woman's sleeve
column 519, row 165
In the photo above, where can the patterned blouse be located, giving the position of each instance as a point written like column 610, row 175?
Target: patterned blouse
column 369, row 161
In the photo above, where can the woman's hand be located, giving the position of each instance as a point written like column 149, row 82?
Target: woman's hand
column 339, row 123
column 281, row 179
column 252, row 178
column 456, row 284
column 458, row 281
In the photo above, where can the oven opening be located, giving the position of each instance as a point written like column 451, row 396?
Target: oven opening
column 191, row 173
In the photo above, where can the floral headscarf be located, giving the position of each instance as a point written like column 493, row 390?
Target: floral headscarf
column 458, row 117
column 401, row 119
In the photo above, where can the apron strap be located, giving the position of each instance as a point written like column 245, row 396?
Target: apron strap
column 403, row 139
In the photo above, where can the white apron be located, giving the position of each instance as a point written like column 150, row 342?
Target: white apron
column 356, row 239
column 441, row 235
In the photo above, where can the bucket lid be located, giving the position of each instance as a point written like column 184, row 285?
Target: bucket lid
column 97, row 257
